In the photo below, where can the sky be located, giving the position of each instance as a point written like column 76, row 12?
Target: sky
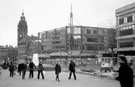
column 42, row 15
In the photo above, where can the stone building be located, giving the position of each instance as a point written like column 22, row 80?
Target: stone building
column 8, row 53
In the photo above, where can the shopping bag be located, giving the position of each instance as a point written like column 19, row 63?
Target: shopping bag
column 44, row 72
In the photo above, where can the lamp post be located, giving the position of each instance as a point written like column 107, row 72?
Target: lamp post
column 39, row 43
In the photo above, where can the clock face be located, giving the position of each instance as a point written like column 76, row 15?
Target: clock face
column 20, row 35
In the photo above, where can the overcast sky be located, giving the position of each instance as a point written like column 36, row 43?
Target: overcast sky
column 42, row 15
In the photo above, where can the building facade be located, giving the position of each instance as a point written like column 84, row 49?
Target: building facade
column 125, row 24
column 8, row 53
column 81, row 39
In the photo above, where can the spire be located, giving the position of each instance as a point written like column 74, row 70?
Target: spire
column 23, row 17
column 22, row 25
column 72, row 31
column 71, row 17
column 23, row 13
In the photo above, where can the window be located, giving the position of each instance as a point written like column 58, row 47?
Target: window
column 102, row 39
column 130, row 18
column 68, row 30
column 121, row 21
column 91, row 47
column 101, row 31
column 94, row 31
column 92, row 40
column 77, row 30
column 126, row 32
column 88, row 31
column 126, row 44
column 56, row 42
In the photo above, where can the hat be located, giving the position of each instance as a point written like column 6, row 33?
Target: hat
column 123, row 58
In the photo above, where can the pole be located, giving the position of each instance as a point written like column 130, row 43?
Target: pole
column 38, row 42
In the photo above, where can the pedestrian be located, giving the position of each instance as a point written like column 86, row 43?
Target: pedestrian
column 72, row 69
column 11, row 69
column 24, row 69
column 19, row 68
column 31, row 69
column 57, row 71
column 0, row 69
column 40, row 71
column 125, row 73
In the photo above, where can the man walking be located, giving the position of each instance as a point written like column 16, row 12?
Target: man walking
column 24, row 69
column 11, row 69
column 72, row 70
column 19, row 68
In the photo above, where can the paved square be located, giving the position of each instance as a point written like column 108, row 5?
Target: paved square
column 49, row 81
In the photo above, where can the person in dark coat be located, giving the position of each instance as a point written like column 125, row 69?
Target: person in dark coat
column 125, row 73
column 57, row 71
column 11, row 69
column 31, row 69
column 19, row 68
column 72, row 69
column 24, row 69
column 40, row 70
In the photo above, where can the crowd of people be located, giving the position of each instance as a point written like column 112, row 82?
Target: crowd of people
column 23, row 67
column 125, row 72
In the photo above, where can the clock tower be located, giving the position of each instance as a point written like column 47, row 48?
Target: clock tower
column 22, row 36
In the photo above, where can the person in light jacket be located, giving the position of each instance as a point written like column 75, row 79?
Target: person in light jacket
column 40, row 70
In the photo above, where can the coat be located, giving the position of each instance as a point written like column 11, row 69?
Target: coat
column 31, row 66
column 24, row 67
column 40, row 67
column 11, row 67
column 72, row 67
column 125, row 76
column 57, row 69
